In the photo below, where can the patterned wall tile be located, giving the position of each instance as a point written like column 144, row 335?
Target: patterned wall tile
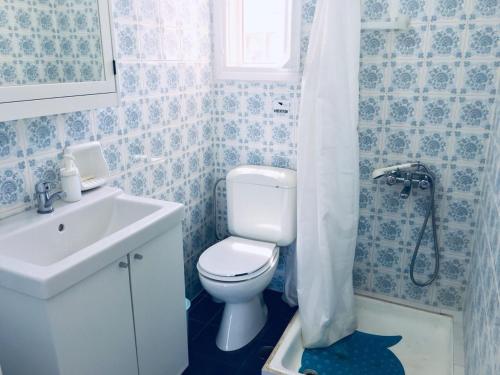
column 482, row 300
column 41, row 134
column 14, row 187
column 47, row 45
column 9, row 140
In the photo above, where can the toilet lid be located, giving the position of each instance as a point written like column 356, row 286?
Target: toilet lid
column 235, row 256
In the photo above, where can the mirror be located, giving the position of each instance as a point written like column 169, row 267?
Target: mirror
column 50, row 41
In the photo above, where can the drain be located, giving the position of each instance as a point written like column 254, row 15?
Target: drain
column 310, row 372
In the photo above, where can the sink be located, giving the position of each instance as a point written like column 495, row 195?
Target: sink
column 42, row 255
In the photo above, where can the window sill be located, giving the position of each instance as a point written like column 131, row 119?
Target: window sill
column 245, row 75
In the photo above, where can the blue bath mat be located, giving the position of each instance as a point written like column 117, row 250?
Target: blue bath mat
column 357, row 354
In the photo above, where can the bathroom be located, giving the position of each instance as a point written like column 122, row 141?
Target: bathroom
column 160, row 120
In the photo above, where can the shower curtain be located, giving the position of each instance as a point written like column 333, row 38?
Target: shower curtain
column 328, row 174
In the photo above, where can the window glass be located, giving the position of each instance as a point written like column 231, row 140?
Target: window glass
column 264, row 36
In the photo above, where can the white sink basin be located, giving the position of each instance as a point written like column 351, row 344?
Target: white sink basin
column 42, row 255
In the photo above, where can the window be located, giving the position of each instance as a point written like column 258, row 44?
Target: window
column 257, row 39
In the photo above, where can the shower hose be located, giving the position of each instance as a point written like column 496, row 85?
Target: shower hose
column 430, row 213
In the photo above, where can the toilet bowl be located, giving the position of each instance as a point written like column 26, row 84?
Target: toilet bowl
column 261, row 217
column 239, row 281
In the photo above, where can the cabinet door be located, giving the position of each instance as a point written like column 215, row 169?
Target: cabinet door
column 92, row 324
column 157, row 283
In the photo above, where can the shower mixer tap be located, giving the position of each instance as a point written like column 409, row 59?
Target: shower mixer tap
column 410, row 175
column 405, row 193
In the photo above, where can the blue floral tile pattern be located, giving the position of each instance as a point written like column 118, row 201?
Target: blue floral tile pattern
column 371, row 77
column 41, row 134
column 47, row 170
column 408, row 43
column 412, row 8
column 487, row 8
column 427, row 93
column 481, row 299
column 107, row 122
column 404, row 77
column 77, row 127
column 441, row 77
column 483, row 41
column 13, row 189
column 375, row 9
column 446, row 41
column 373, row 43
column 475, row 113
column 45, row 45
column 448, row 8
column 9, row 141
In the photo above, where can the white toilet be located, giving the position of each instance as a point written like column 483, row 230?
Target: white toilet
column 261, row 205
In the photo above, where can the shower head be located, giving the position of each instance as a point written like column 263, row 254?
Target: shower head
column 377, row 173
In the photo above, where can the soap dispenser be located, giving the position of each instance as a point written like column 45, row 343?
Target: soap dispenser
column 70, row 180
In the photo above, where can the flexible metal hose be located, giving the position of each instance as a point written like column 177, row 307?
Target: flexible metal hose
column 431, row 213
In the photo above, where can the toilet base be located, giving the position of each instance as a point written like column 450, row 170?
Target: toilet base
column 241, row 322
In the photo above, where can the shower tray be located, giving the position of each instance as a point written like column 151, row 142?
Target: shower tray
column 427, row 346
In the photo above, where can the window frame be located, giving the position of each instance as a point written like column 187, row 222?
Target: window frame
column 222, row 71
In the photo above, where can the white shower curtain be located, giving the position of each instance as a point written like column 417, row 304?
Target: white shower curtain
column 328, row 174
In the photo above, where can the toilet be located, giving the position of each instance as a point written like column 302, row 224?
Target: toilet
column 261, row 213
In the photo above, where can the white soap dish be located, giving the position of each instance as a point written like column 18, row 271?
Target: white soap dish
column 90, row 161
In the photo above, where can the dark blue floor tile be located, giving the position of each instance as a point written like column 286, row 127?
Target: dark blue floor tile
column 202, row 366
column 204, row 347
column 194, row 329
column 207, row 359
column 204, row 309
column 256, row 360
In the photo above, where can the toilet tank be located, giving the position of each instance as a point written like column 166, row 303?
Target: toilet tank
column 262, row 203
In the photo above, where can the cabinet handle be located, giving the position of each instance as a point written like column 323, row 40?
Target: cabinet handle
column 123, row 265
column 138, row 256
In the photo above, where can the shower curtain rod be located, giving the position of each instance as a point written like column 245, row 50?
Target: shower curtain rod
column 398, row 23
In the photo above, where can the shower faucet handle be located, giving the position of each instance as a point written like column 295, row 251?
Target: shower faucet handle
column 424, row 184
column 391, row 179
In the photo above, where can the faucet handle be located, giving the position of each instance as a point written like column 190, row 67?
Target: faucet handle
column 42, row 187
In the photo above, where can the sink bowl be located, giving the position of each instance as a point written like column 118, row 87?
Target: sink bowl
column 42, row 255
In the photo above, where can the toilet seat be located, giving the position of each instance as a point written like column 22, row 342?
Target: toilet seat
column 237, row 259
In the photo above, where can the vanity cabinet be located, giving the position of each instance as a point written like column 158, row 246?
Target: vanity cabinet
column 92, row 325
column 126, row 319
column 55, row 56
column 159, row 308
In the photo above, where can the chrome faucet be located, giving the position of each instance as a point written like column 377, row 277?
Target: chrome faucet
column 44, row 199
column 410, row 174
